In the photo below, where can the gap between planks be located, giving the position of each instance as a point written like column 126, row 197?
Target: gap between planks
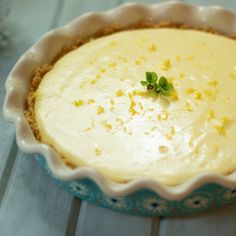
column 11, row 158
column 73, row 217
column 155, row 226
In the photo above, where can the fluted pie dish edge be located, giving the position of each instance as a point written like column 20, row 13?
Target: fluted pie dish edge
column 141, row 196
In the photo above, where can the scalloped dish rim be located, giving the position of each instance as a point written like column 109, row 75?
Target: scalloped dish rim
column 17, row 88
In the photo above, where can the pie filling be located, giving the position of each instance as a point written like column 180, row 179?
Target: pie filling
column 93, row 110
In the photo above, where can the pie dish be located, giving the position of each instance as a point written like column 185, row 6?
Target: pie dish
column 142, row 194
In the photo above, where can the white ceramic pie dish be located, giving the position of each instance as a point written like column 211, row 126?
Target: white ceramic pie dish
column 141, row 196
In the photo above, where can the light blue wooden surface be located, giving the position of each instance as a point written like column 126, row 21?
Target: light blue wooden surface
column 106, row 221
column 22, row 29
column 30, row 204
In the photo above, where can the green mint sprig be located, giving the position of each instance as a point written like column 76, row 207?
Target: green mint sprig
column 158, row 85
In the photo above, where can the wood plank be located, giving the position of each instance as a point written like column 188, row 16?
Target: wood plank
column 74, row 8
column 216, row 222
column 15, row 39
column 97, row 221
column 24, row 26
column 33, row 205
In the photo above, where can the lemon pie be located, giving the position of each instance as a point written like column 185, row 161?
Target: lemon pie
column 91, row 108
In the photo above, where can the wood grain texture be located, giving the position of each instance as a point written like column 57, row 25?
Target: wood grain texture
column 33, row 204
column 97, row 221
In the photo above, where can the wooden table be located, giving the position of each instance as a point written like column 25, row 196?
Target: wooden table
column 30, row 204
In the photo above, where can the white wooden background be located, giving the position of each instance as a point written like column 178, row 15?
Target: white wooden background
column 30, row 204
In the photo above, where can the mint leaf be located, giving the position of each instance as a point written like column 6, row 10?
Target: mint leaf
column 163, row 82
column 156, row 87
column 165, row 87
column 148, row 77
column 160, row 85
column 154, row 77
column 143, row 83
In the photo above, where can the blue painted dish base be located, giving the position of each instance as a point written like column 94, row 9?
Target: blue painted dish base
column 146, row 202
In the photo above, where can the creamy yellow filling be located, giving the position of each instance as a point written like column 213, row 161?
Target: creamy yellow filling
column 92, row 109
